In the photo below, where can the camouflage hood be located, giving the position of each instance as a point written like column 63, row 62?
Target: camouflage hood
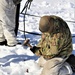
column 52, row 24
column 57, row 40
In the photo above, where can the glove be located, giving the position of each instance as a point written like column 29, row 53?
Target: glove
column 16, row 1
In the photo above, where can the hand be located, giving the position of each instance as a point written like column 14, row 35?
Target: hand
column 26, row 43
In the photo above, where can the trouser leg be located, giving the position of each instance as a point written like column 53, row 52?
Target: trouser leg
column 50, row 67
column 8, row 12
column 55, row 66
column 41, row 61
column 2, row 38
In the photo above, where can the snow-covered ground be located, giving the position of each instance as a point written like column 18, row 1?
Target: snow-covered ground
column 19, row 60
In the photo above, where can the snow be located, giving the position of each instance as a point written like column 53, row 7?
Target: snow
column 19, row 60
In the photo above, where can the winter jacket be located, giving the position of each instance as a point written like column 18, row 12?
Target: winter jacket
column 57, row 42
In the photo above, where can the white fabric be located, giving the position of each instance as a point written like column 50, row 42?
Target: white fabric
column 7, row 21
column 55, row 66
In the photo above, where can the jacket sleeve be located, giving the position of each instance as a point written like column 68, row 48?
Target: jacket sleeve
column 36, row 49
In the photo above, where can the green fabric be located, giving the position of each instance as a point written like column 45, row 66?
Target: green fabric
column 57, row 43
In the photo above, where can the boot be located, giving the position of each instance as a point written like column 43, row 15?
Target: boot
column 3, row 43
column 71, row 61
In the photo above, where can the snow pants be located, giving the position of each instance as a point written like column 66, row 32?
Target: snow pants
column 55, row 66
column 7, row 22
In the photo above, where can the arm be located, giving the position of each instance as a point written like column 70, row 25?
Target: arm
column 34, row 49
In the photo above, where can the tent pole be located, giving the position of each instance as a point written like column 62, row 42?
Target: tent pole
column 17, row 18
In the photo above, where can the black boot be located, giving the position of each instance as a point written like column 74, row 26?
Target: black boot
column 3, row 43
column 71, row 61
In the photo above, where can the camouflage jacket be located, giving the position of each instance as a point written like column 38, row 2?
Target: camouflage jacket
column 58, row 43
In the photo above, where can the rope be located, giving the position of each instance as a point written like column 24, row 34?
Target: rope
column 30, row 32
column 40, row 17
column 37, row 33
column 27, row 6
column 73, row 36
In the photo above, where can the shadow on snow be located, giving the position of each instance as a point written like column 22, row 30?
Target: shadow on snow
column 5, row 61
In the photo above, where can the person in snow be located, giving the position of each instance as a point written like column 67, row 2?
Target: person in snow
column 7, row 22
column 55, row 46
